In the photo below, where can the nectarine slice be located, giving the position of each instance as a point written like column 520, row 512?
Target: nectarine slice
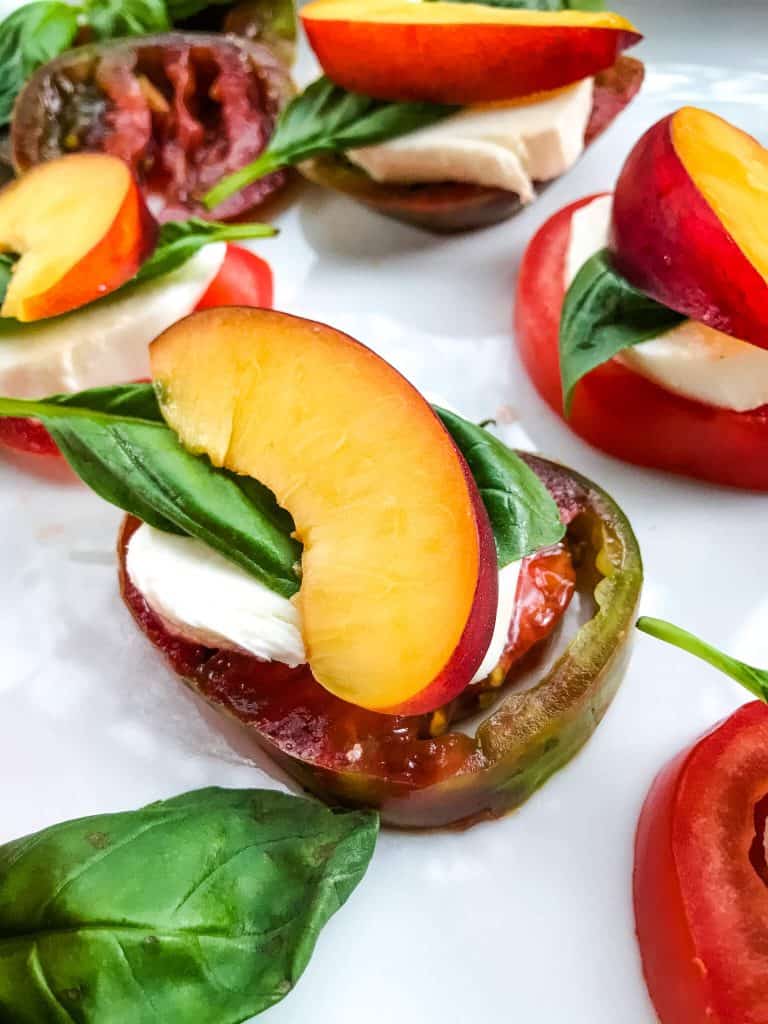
column 399, row 577
column 689, row 217
column 459, row 53
column 81, row 228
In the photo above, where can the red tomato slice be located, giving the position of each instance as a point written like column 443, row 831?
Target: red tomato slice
column 700, row 885
column 617, row 410
column 244, row 279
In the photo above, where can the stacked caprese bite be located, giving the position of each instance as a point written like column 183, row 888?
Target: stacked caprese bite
column 88, row 278
column 448, row 115
column 350, row 572
column 642, row 316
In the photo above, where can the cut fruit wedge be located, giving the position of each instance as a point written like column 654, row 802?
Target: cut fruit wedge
column 81, row 229
column 399, row 575
column 689, row 219
column 459, row 53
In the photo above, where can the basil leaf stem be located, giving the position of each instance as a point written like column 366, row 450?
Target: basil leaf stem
column 326, row 118
column 753, row 679
column 603, row 314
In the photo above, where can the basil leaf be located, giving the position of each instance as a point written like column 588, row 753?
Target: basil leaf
column 203, row 909
column 539, row 5
column 29, row 37
column 178, row 10
column 753, row 679
column 180, row 240
column 524, row 516
column 326, row 118
column 110, row 19
column 602, row 315
column 7, row 261
column 118, row 444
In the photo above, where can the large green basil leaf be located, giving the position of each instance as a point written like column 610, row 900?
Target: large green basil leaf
column 524, row 516
column 111, row 19
column 117, row 443
column 203, row 909
column 326, row 118
column 603, row 314
column 31, row 36
column 180, row 240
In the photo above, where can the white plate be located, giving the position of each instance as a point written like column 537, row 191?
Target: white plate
column 525, row 919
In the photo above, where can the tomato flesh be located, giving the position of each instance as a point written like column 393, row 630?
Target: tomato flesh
column 244, row 279
column 701, row 901
column 617, row 410
column 292, row 713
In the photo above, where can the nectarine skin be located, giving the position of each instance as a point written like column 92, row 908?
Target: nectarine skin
column 668, row 242
column 457, row 778
column 460, row 62
column 448, row 207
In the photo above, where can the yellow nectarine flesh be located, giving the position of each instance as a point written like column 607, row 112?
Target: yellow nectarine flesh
column 730, row 170
column 397, row 596
column 81, row 229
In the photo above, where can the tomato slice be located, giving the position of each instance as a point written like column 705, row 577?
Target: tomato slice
column 244, row 279
column 617, row 410
column 700, row 891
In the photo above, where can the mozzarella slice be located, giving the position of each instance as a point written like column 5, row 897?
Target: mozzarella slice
column 691, row 360
column 507, row 146
column 106, row 342
column 206, row 599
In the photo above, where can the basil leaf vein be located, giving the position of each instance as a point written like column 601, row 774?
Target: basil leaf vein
column 31, row 36
column 524, row 517
column 326, row 118
column 205, row 907
column 603, row 314
column 755, row 680
column 117, row 442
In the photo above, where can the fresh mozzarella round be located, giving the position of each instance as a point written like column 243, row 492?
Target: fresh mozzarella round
column 501, row 145
column 107, row 341
column 691, row 360
column 206, row 599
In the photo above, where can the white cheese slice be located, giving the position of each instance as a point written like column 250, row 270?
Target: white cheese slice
column 691, row 360
column 507, row 146
column 206, row 599
column 106, row 342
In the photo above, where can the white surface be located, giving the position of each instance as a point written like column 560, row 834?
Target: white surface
column 107, row 342
column 691, row 360
column 499, row 146
column 526, row 919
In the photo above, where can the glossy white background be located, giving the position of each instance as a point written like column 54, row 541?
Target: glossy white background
column 525, row 919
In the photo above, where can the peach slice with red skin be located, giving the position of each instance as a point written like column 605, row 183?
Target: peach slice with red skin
column 459, row 53
column 688, row 222
column 399, row 577
column 81, row 228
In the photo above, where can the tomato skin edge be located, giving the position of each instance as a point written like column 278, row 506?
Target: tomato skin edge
column 674, row 974
column 619, row 411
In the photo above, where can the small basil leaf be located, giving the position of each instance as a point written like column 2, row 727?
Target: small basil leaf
column 180, row 240
column 178, row 10
column 111, row 19
column 122, row 451
column 203, row 909
column 603, row 314
column 326, row 118
column 30, row 36
column 753, row 679
column 524, row 516
column 7, row 260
